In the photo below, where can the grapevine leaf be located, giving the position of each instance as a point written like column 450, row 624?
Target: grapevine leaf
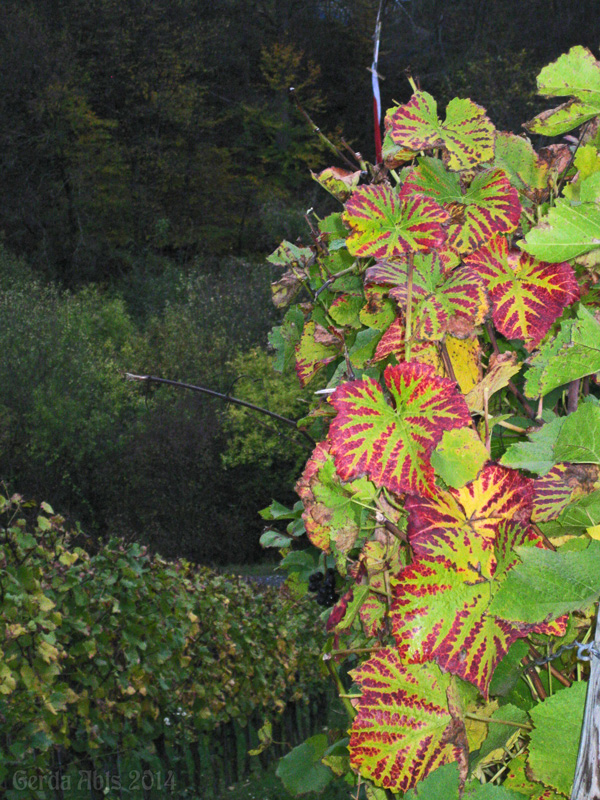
column 285, row 337
column 575, row 74
column 441, row 609
column 572, row 354
column 331, row 517
column 587, row 163
column 551, row 494
column 404, row 729
column 530, row 172
column 441, row 784
column 459, row 457
column 489, row 791
column 345, row 309
column 568, row 231
column 507, row 674
column 467, row 133
column 465, row 357
column 527, row 296
column 584, row 512
column 462, row 524
column 363, row 350
column 393, row 343
column 499, row 735
column 392, row 445
column 317, row 348
column 441, row 303
column 557, row 719
column 333, row 225
column 295, row 260
column 548, row 584
column 536, row 455
column 385, row 226
column 579, row 437
column 489, row 206
column 377, row 558
column 501, row 368
column 517, row 781
column 338, row 182
column 301, row 770
column 379, row 311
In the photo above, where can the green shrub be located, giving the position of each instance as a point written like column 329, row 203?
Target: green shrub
column 101, row 649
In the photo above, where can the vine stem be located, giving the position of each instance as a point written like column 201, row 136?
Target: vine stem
column 478, row 718
column 543, row 537
column 333, row 278
column 318, row 131
column 408, row 322
column 130, row 376
column 488, row 442
column 447, row 362
column 534, row 678
column 552, row 669
column 340, row 687
column 573, row 396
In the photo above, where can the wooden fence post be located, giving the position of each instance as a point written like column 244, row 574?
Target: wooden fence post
column 586, row 785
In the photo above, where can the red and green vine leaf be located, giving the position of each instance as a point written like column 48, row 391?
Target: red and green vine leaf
column 517, row 781
column 490, row 205
column 462, row 524
column 379, row 311
column 527, row 295
column 331, row 517
column 392, row 445
column 345, row 309
column 464, row 355
column 467, row 133
column 441, row 607
column 551, row 494
column 393, row 342
column 442, row 303
column 394, row 155
column 317, row 348
column 575, row 74
column 338, row 182
column 405, row 726
column 383, row 225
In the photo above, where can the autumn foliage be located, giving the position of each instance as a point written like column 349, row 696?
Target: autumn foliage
column 457, row 471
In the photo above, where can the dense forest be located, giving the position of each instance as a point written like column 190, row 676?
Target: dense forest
column 150, row 158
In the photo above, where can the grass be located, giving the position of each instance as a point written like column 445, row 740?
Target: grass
column 267, row 786
column 252, row 570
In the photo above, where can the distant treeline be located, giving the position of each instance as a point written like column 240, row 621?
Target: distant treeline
column 152, row 128
column 179, row 471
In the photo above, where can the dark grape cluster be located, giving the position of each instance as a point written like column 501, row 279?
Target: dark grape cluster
column 324, row 586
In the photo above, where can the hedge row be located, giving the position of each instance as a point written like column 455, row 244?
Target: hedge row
column 102, row 650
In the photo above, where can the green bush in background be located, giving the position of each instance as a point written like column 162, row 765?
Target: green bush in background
column 114, row 651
